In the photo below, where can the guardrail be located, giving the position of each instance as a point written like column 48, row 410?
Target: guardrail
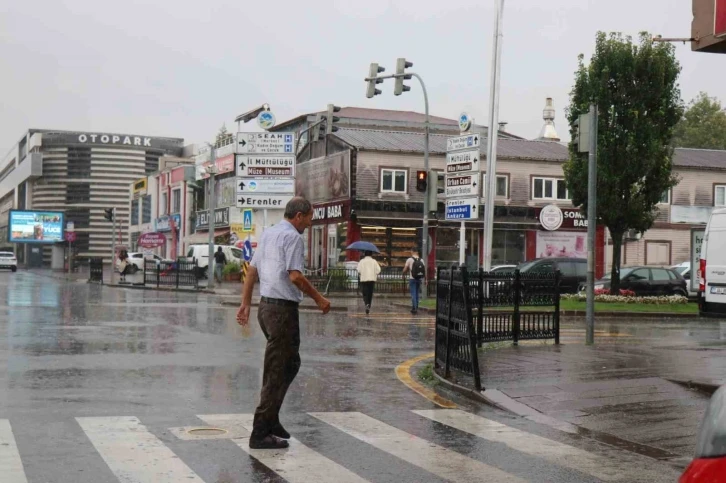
column 179, row 273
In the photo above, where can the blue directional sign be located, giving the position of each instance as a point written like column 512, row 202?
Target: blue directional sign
column 247, row 250
column 462, row 208
column 247, row 220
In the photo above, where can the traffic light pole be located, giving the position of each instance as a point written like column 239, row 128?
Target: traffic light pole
column 113, row 246
column 211, row 217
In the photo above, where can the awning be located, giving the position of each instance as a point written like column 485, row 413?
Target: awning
column 203, row 236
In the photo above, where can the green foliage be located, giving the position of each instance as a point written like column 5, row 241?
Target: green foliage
column 703, row 125
column 426, row 374
column 230, row 268
column 636, row 91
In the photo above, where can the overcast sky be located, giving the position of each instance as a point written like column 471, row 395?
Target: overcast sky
column 181, row 68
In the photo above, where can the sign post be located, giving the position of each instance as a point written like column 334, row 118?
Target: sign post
column 265, row 172
column 71, row 237
column 462, row 186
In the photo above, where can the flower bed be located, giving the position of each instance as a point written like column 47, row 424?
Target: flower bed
column 629, row 299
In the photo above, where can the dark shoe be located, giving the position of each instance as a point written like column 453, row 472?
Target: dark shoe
column 413, row 311
column 368, row 309
column 268, row 442
column 280, row 432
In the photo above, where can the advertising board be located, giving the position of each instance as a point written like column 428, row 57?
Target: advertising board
column 35, row 226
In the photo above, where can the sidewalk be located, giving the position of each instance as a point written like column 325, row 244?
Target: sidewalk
column 627, row 388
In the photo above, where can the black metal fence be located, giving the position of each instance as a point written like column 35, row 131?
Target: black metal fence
column 95, row 273
column 455, row 342
column 179, row 273
column 509, row 306
column 390, row 280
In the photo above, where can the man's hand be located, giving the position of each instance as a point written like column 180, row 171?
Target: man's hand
column 243, row 315
column 323, row 305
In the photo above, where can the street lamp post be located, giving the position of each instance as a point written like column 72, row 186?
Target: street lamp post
column 212, row 206
column 492, row 137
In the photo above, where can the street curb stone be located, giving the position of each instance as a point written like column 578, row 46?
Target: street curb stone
column 705, row 386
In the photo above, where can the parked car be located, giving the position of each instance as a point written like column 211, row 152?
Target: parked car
column 200, row 253
column 685, row 270
column 709, row 463
column 136, row 261
column 712, row 283
column 647, row 281
column 502, row 269
column 8, row 260
column 573, row 271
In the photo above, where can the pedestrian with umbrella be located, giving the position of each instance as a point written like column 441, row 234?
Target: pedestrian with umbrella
column 368, row 270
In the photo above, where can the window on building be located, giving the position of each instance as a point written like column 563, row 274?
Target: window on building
column 719, row 195
column 134, row 212
column 502, row 185
column 665, row 198
column 176, row 201
column 549, row 189
column 657, row 253
column 146, row 209
column 152, row 162
column 77, row 193
column 79, row 162
column 163, row 205
column 394, row 181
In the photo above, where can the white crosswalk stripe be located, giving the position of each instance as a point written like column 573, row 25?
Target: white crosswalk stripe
column 134, row 454
column 297, row 464
column 431, row 457
column 11, row 467
column 528, row 443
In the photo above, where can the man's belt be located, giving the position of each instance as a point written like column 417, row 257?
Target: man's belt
column 283, row 302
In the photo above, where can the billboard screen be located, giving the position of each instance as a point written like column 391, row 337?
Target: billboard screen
column 35, row 226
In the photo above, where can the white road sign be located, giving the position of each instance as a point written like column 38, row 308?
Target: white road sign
column 469, row 141
column 266, row 142
column 263, row 201
column 462, row 157
column 251, row 186
column 265, row 166
column 462, row 208
column 466, row 185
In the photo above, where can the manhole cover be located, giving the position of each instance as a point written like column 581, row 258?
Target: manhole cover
column 207, row 431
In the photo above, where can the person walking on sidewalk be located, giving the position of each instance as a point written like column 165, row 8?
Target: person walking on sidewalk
column 220, row 260
column 278, row 265
column 368, row 270
column 417, row 272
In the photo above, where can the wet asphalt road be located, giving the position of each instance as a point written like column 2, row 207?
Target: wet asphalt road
column 98, row 380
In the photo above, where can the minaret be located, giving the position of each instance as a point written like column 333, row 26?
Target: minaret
column 548, row 133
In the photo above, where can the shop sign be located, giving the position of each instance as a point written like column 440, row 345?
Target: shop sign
column 224, row 165
column 551, row 217
column 151, row 240
column 140, row 188
column 221, row 218
column 164, row 223
column 330, row 212
column 568, row 244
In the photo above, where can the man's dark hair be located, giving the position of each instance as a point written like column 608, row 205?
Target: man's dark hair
column 219, row 249
column 297, row 205
column 367, row 254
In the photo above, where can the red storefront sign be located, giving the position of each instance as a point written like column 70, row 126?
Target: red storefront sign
column 719, row 19
column 152, row 240
column 224, row 165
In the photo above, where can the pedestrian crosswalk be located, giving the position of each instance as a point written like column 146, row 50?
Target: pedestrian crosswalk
column 448, row 444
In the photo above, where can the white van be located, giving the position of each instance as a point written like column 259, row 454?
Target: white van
column 201, row 254
column 712, row 270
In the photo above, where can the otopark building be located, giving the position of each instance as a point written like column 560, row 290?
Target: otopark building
column 52, row 177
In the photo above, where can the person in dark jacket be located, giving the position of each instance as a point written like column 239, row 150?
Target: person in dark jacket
column 220, row 260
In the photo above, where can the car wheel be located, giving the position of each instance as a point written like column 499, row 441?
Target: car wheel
column 681, row 292
column 133, row 269
column 14, row 269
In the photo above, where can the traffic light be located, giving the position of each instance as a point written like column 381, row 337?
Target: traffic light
column 421, row 177
column 401, row 66
column 373, row 79
column 330, row 119
column 108, row 214
column 582, row 133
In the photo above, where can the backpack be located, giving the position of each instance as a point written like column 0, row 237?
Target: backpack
column 418, row 271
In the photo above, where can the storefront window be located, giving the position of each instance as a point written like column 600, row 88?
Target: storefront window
column 395, row 244
column 508, row 247
column 447, row 247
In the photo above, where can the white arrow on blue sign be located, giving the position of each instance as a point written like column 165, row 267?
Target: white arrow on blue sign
column 469, row 141
column 247, row 250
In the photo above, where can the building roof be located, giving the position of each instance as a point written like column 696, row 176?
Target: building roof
column 413, row 142
column 700, row 158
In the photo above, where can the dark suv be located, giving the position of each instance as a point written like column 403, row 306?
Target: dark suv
column 573, row 271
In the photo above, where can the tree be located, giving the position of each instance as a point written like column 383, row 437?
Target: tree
column 223, row 137
column 703, row 125
column 636, row 92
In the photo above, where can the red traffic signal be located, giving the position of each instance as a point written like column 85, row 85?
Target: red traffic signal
column 421, row 177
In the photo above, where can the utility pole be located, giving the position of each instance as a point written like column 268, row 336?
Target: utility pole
column 591, row 226
column 372, row 80
column 493, row 133
column 113, row 245
column 211, row 218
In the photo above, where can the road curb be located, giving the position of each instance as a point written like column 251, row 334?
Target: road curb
column 302, row 307
column 705, row 386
